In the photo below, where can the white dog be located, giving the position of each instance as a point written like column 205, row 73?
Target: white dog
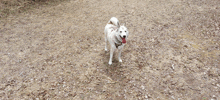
column 117, row 35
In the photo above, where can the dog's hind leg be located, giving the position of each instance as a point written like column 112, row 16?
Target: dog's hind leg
column 106, row 42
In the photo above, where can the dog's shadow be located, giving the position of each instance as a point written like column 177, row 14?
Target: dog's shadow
column 114, row 70
column 106, row 57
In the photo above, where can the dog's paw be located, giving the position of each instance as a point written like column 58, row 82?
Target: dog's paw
column 120, row 60
column 110, row 63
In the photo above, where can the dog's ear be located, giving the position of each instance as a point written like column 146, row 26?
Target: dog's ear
column 118, row 24
column 124, row 24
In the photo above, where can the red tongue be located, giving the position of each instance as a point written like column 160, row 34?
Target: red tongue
column 123, row 40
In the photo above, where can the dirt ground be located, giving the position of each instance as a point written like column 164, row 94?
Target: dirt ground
column 57, row 52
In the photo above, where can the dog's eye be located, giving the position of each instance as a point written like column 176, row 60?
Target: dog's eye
column 120, row 31
column 125, row 31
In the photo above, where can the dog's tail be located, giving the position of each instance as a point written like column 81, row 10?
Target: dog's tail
column 114, row 21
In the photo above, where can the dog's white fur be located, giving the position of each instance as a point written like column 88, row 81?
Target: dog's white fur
column 114, row 33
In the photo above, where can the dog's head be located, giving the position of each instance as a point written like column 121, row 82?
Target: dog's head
column 123, row 33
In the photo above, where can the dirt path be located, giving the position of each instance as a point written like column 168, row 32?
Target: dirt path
column 58, row 52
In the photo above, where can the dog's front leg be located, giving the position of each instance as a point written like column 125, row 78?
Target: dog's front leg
column 111, row 55
column 119, row 55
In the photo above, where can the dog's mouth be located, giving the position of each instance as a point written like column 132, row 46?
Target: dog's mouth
column 123, row 40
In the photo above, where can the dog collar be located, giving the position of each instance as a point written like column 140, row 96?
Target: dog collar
column 117, row 42
column 116, row 45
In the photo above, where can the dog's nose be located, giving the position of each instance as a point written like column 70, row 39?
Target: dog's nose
column 124, row 36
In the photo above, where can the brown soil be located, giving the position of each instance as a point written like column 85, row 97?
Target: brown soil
column 173, row 51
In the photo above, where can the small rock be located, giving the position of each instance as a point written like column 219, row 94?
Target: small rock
column 173, row 66
column 146, row 96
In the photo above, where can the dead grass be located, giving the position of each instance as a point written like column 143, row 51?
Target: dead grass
column 57, row 52
column 12, row 7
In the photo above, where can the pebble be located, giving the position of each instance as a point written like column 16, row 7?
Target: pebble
column 146, row 96
column 173, row 66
